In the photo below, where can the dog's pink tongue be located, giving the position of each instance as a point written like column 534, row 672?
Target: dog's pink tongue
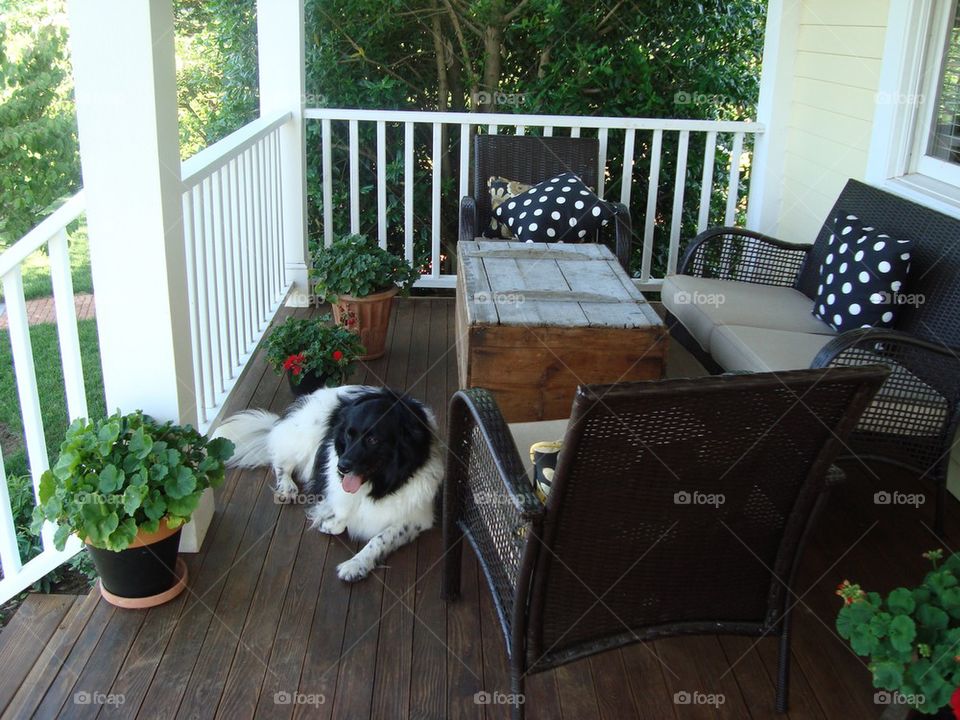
column 351, row 483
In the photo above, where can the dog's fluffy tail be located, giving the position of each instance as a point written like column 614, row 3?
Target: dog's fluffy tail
column 250, row 432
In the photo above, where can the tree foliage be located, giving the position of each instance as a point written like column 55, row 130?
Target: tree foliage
column 39, row 159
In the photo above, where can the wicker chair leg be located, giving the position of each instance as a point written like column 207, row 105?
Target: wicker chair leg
column 517, row 687
column 783, row 666
column 452, row 556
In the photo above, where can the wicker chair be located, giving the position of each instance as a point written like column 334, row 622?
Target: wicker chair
column 678, row 507
column 914, row 419
column 530, row 160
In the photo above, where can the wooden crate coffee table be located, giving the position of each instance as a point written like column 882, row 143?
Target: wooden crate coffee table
column 534, row 320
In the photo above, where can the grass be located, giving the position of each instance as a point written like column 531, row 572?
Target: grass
column 53, row 408
column 36, row 268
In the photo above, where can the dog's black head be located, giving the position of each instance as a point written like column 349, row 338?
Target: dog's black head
column 381, row 438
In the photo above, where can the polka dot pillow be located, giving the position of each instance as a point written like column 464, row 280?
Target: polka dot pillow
column 560, row 209
column 860, row 276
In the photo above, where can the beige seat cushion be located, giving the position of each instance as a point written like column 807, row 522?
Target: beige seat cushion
column 735, row 347
column 702, row 304
column 528, row 433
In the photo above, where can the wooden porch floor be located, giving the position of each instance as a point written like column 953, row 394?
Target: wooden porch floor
column 266, row 628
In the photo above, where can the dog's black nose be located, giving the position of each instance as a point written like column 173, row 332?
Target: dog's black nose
column 343, row 467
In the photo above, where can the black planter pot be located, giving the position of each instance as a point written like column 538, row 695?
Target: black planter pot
column 139, row 572
column 308, row 383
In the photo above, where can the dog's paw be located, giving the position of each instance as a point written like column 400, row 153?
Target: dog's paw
column 353, row 570
column 322, row 519
column 286, row 491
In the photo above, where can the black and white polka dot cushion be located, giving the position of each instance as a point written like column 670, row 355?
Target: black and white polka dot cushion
column 861, row 276
column 560, row 209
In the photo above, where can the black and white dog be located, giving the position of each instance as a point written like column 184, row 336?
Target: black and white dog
column 372, row 454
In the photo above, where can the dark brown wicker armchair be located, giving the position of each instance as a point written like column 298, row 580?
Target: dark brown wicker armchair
column 530, row 160
column 678, row 507
column 914, row 420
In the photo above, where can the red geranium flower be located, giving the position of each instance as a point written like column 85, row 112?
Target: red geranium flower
column 294, row 363
column 337, row 355
column 955, row 703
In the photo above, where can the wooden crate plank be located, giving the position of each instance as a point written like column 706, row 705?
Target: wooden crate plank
column 472, row 291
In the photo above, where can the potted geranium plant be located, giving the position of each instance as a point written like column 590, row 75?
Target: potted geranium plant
column 125, row 485
column 912, row 637
column 360, row 279
column 312, row 353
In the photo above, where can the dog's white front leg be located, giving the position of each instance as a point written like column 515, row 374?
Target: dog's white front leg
column 378, row 547
column 286, row 489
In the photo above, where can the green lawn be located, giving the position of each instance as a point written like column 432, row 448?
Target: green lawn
column 36, row 268
column 46, row 356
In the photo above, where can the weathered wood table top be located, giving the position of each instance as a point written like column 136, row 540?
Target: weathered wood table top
column 549, row 285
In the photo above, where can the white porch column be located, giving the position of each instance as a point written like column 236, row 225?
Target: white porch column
column 773, row 110
column 280, row 54
column 123, row 62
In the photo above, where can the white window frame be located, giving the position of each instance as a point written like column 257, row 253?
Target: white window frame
column 906, row 95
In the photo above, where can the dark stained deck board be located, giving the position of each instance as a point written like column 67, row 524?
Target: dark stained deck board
column 23, row 641
column 266, row 617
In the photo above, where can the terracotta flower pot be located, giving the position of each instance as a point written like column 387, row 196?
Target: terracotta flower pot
column 145, row 574
column 369, row 317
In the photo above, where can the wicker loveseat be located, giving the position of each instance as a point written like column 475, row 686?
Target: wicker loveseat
column 742, row 301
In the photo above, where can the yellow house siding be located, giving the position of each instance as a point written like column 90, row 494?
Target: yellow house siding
column 832, row 102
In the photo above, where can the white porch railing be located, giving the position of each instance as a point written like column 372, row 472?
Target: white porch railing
column 52, row 234
column 232, row 209
column 652, row 130
column 233, row 230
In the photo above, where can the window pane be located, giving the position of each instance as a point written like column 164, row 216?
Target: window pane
column 945, row 138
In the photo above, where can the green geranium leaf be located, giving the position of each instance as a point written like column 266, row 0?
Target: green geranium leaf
column 61, row 536
column 181, row 484
column 863, row 641
column 98, row 521
column 150, row 526
column 48, row 485
column 124, row 534
column 902, row 633
column 184, row 506
column 932, row 618
column 154, row 506
column 140, row 444
column 133, row 498
column 110, row 479
column 220, row 449
column 173, row 522
column 887, row 675
column 901, row 602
